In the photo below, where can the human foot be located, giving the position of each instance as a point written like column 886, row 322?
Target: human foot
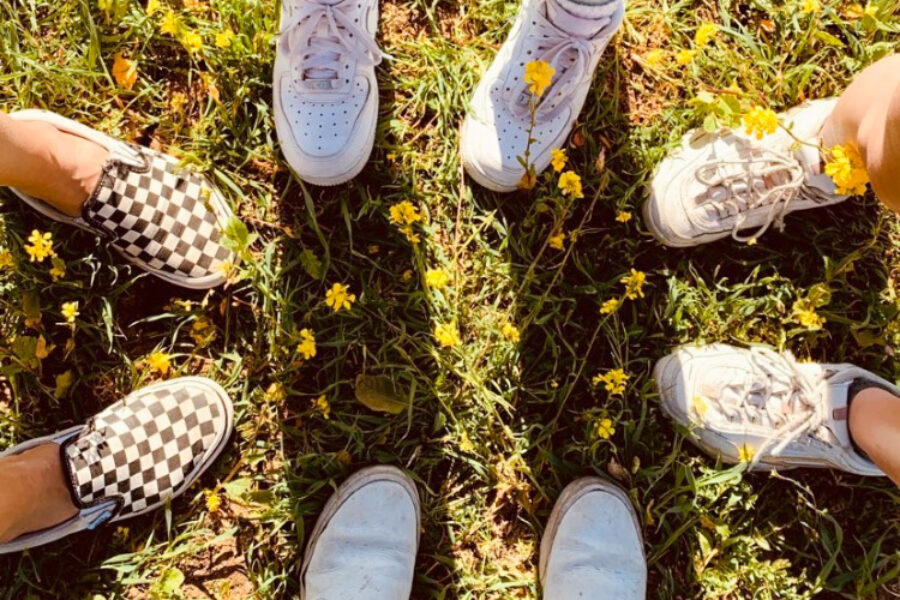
column 133, row 457
column 571, row 38
column 592, row 547
column 41, row 497
column 764, row 407
column 720, row 184
column 325, row 90
column 60, row 168
column 364, row 544
column 162, row 217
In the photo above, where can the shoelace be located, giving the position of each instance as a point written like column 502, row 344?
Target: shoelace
column 748, row 189
column 322, row 35
column 568, row 54
column 779, row 392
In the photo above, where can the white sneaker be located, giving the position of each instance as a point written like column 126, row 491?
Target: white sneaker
column 716, row 185
column 592, row 547
column 763, row 407
column 494, row 134
column 324, row 88
column 365, row 542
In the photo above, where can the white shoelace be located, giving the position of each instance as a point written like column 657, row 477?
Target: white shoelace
column 323, row 35
column 780, row 395
column 568, row 54
column 750, row 188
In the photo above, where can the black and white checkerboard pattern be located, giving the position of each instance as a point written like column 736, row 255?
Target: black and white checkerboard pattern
column 158, row 215
column 146, row 447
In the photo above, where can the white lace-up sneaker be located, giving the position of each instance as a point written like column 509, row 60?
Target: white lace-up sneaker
column 760, row 406
column 716, row 185
column 325, row 91
column 592, row 547
column 494, row 134
column 365, row 542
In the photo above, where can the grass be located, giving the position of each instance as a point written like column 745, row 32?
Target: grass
column 491, row 429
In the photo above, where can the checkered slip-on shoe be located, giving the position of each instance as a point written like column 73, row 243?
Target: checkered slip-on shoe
column 137, row 454
column 164, row 218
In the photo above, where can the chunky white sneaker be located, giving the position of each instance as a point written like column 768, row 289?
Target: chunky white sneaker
column 325, row 91
column 716, row 185
column 365, row 542
column 570, row 37
column 763, row 407
column 592, row 547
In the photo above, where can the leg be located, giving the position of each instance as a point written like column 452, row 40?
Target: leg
column 33, row 493
column 868, row 115
column 875, row 426
column 57, row 167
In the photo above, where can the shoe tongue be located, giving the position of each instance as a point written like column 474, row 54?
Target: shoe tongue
column 582, row 20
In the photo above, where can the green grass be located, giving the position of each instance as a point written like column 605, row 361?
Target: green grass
column 493, row 429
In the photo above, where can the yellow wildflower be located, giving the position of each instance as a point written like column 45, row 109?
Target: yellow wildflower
column 58, row 270
column 570, row 184
column 170, row 23
column 323, row 406
column 805, row 314
column 124, row 71
column 69, row 312
column 224, row 38
column 559, row 159
column 610, row 306
column 845, row 166
column 705, row 33
column 558, row 240
column 213, row 501
column 307, row 345
column 634, row 284
column 623, row 216
column 447, row 335
column 338, row 298
column 760, row 121
column 511, row 332
column 700, row 406
column 159, row 362
column 745, row 453
column 6, row 259
column 202, row 332
column 685, row 57
column 404, row 215
column 810, row 7
column 605, row 429
column 614, row 381
column 40, row 246
column 152, row 6
column 192, row 41
column 654, row 58
column 437, row 278
column 538, row 76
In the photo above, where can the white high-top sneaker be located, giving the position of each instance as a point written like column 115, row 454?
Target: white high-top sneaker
column 570, row 37
column 324, row 88
column 592, row 547
column 364, row 544
column 716, row 185
column 765, row 408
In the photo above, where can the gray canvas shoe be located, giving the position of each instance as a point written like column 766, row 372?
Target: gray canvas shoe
column 136, row 455
column 364, row 544
column 592, row 547
column 765, row 408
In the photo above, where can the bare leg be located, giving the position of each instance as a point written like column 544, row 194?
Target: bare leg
column 875, row 426
column 868, row 115
column 33, row 492
column 43, row 162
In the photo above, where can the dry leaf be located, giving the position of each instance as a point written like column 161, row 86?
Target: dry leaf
column 124, row 71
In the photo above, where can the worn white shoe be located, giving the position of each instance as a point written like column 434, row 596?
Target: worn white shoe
column 325, row 91
column 494, row 134
column 592, row 547
column 365, row 542
column 721, row 184
column 767, row 408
